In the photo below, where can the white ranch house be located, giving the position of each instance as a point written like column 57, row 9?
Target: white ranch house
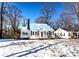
column 37, row 31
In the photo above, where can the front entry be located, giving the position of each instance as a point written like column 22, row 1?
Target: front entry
column 42, row 34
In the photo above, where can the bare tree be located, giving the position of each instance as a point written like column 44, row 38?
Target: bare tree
column 13, row 13
column 72, row 8
column 46, row 15
column 38, row 20
column 47, row 12
column 24, row 23
column 65, row 21
column 1, row 20
column 69, row 14
column 77, row 9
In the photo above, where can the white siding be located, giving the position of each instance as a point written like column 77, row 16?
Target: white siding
column 43, row 33
column 42, row 28
column 62, row 33
column 34, row 35
column 25, row 33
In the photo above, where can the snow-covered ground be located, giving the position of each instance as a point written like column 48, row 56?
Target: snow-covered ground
column 39, row 48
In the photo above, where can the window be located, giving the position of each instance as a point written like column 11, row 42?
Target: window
column 24, row 33
column 49, row 33
column 69, row 34
column 35, row 33
column 45, row 32
column 32, row 33
column 62, row 34
column 41, row 34
column 38, row 33
column 53, row 32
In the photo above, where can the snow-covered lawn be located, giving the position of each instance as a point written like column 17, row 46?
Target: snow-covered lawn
column 39, row 48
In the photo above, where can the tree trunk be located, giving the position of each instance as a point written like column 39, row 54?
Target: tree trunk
column 1, row 20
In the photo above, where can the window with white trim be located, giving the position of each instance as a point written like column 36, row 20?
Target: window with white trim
column 32, row 32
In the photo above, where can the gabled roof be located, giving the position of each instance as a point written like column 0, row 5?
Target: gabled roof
column 65, row 30
column 36, row 27
column 61, row 29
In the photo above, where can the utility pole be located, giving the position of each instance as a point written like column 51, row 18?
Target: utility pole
column 2, row 7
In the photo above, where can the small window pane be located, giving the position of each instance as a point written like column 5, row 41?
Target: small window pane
column 35, row 33
column 24, row 33
column 31, row 32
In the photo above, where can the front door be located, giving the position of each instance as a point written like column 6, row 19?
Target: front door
column 41, row 34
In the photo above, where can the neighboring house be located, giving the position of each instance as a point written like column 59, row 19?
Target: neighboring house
column 77, row 34
column 61, row 33
column 38, row 31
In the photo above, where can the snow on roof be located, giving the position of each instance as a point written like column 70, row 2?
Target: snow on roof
column 60, row 29
column 36, row 26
